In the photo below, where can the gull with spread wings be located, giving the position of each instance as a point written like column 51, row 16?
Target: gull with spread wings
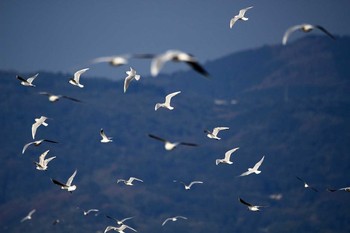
column 171, row 145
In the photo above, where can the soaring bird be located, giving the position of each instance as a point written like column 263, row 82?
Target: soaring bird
column 68, row 185
column 306, row 185
column 36, row 143
column 38, row 122
column 346, row 189
column 129, row 181
column 105, row 139
column 240, row 16
column 54, row 98
column 166, row 104
column 250, row 206
column 76, row 79
column 214, row 134
column 27, row 82
column 304, row 28
column 89, row 211
column 29, row 216
column 42, row 164
column 170, row 145
column 117, row 60
column 188, row 187
column 254, row 169
column 119, row 229
column 119, row 222
column 173, row 219
column 131, row 76
column 176, row 56
column 227, row 157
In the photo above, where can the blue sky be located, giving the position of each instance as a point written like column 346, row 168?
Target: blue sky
column 63, row 36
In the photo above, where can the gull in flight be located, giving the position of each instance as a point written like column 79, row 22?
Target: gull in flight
column 119, row 222
column 131, row 76
column 166, row 104
column 119, row 229
column 240, row 16
column 214, row 134
column 176, row 56
column 29, row 216
column 116, row 61
column 173, row 219
column 89, row 211
column 250, row 206
column 75, row 80
column 42, row 164
column 68, row 185
column 346, row 189
column 254, row 169
column 129, row 181
column 171, row 145
column 306, row 185
column 304, row 28
column 188, row 187
column 54, row 98
column 35, row 143
column 227, row 157
column 38, row 122
column 105, row 139
column 27, row 82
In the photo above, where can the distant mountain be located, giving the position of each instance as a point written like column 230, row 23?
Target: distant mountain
column 290, row 103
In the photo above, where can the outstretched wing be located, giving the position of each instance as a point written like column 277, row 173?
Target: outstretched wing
column 70, row 180
column 244, row 202
column 197, row 67
column 188, row 144
column 325, row 31
column 58, row 183
column 171, row 95
column 229, row 153
column 258, row 164
column 156, row 137
column 290, row 31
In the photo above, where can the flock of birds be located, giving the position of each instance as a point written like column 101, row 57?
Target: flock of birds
column 158, row 61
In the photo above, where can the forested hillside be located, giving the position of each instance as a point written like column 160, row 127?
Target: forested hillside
column 290, row 104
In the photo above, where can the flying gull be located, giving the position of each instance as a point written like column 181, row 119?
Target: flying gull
column 76, row 79
column 119, row 229
column 36, row 143
column 171, row 145
column 306, row 185
column 129, row 181
column 304, row 28
column 38, row 122
column 119, row 222
column 214, row 134
column 131, row 76
column 188, row 187
column 27, row 82
column 166, row 104
column 254, row 169
column 240, row 16
column 89, row 211
column 54, row 98
column 68, row 185
column 29, row 216
column 227, row 157
column 105, row 139
column 176, row 56
column 250, row 206
column 117, row 60
column 42, row 164
column 173, row 219
column 346, row 189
